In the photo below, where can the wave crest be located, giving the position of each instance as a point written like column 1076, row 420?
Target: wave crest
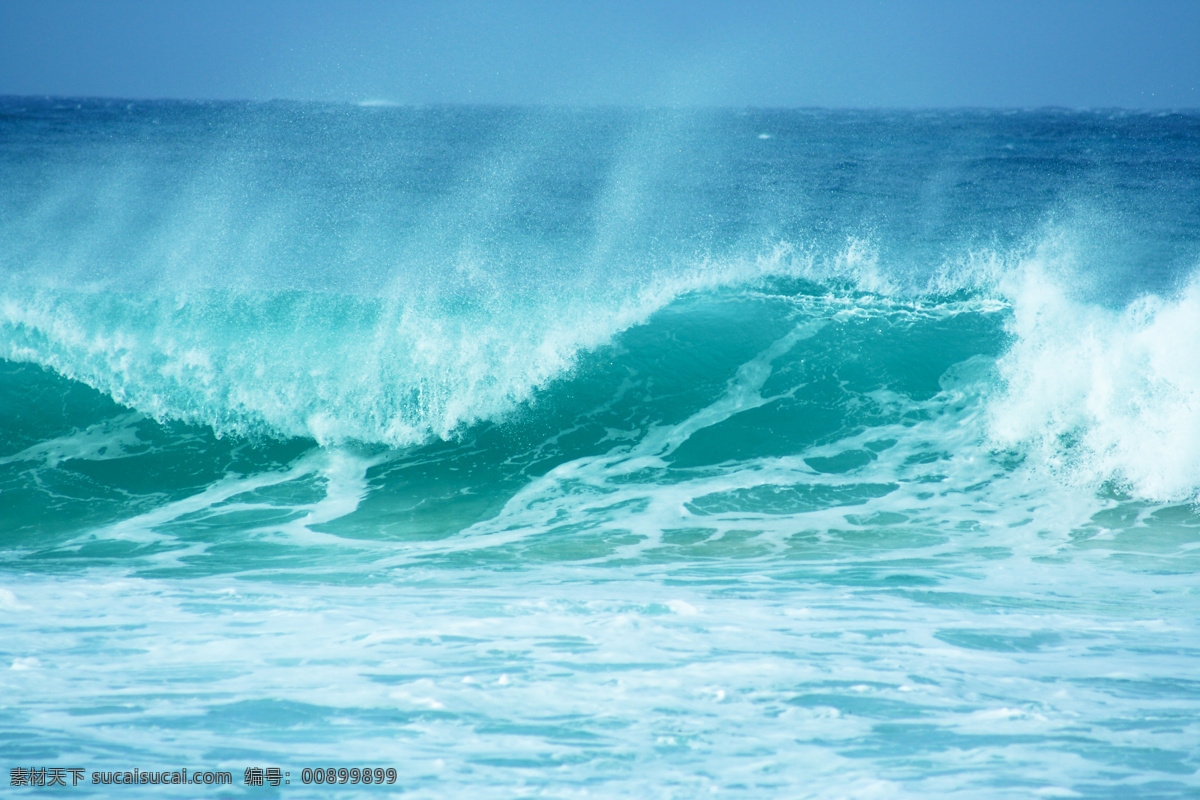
column 1103, row 395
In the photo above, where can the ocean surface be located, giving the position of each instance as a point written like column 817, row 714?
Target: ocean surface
column 601, row 453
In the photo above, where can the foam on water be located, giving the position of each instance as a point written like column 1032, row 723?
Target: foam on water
column 626, row 686
column 1101, row 394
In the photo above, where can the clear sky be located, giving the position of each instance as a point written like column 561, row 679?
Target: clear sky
column 843, row 53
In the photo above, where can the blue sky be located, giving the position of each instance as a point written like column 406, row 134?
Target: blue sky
column 851, row 53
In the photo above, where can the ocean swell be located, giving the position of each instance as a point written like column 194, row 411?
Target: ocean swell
column 1094, row 396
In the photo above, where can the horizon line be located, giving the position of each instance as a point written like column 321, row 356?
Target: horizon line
column 384, row 104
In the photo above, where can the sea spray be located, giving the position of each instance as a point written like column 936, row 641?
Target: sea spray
column 1102, row 394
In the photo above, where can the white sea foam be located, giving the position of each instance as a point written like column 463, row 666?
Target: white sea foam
column 111, row 439
column 1101, row 394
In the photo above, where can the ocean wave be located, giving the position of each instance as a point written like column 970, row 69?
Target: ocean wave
column 1095, row 396
column 394, row 370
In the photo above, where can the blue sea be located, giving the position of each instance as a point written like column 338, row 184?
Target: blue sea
column 601, row 452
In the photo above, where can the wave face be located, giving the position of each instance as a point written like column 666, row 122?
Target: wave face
column 650, row 453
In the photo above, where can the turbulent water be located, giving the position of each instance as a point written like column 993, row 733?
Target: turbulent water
column 604, row 453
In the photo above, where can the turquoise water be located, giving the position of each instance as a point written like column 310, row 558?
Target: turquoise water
column 606, row 453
